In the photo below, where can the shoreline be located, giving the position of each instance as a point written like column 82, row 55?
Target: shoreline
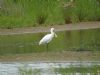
column 67, row 27
column 52, row 56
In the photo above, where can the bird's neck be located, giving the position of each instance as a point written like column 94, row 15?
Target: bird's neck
column 52, row 32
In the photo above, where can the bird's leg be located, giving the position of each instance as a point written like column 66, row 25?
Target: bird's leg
column 47, row 46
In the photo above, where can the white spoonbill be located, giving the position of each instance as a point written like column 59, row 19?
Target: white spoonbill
column 47, row 38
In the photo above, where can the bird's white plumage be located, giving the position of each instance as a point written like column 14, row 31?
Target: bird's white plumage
column 47, row 38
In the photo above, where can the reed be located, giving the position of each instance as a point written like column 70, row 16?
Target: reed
column 26, row 13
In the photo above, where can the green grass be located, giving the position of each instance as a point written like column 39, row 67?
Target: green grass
column 28, row 71
column 93, row 70
column 25, row 13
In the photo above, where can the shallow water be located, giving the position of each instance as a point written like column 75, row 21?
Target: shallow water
column 66, row 40
column 45, row 68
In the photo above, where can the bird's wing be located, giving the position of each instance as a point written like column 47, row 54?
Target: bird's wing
column 45, row 39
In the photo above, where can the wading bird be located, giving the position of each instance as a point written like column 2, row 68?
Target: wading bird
column 48, row 38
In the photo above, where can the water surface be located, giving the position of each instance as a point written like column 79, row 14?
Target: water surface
column 48, row 68
column 67, row 40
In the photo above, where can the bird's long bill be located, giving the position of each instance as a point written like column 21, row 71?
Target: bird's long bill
column 55, row 35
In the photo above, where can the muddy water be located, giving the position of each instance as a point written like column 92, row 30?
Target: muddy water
column 43, row 68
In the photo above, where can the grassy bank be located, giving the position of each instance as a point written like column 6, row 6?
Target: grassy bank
column 23, row 13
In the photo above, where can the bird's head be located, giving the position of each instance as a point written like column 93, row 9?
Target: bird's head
column 52, row 29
